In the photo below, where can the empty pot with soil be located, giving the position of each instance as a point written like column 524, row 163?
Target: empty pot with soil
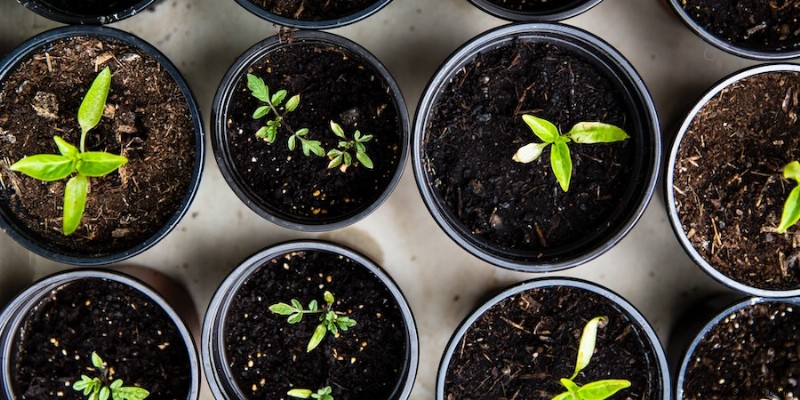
column 310, row 130
column 524, row 343
column 303, row 14
column 507, row 152
column 726, row 187
column 535, row 10
column 308, row 317
column 94, row 187
column 97, row 324
column 86, row 12
column 746, row 28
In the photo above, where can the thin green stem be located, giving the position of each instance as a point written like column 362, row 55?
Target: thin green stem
column 83, row 140
column 279, row 115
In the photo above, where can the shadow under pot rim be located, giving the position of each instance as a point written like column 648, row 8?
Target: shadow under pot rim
column 322, row 21
column 140, row 304
column 525, row 12
column 531, row 337
column 732, row 264
column 353, row 89
column 485, row 227
column 72, row 12
column 124, row 129
column 304, row 271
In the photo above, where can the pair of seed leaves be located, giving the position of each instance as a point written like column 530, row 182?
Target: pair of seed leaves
column 100, row 389
column 83, row 164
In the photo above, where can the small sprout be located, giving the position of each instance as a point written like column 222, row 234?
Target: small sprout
column 342, row 157
column 330, row 320
column 83, row 164
column 322, row 394
column 597, row 390
column 560, row 160
column 100, row 388
column 791, row 208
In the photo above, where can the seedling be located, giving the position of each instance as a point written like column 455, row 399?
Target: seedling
column 791, row 208
column 322, row 394
column 597, row 390
column 342, row 156
column 278, row 110
column 100, row 388
column 560, row 160
column 81, row 164
column 330, row 320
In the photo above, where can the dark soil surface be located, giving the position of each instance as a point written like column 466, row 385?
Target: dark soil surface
column 333, row 84
column 729, row 186
column 146, row 119
column 132, row 334
column 313, row 10
column 268, row 356
column 772, row 25
column 91, row 7
column 476, row 127
column 537, row 6
column 521, row 347
column 751, row 354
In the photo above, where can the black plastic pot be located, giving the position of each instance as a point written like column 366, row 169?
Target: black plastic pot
column 215, row 360
column 669, row 185
column 15, row 314
column 32, row 242
column 558, row 11
column 223, row 153
column 72, row 14
column 646, row 134
column 741, row 50
column 310, row 24
column 657, row 361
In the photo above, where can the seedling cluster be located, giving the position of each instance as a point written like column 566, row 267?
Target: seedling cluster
column 560, row 159
column 330, row 320
column 99, row 388
column 321, row 394
column 276, row 111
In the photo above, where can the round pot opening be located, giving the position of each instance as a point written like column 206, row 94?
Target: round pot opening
column 536, row 11
column 314, row 16
column 91, row 12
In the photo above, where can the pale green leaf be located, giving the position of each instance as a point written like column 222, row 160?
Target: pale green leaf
column 365, row 138
column 587, row 344
column 302, row 132
column 97, row 361
column 360, row 148
column 337, row 130
column 74, row 205
column 332, row 327
column 564, row 396
column 295, row 318
column 293, row 102
column 105, row 393
column 601, row 390
column 313, row 306
column 313, row 146
column 282, row 309
column 328, row 296
column 529, row 152
column 347, row 159
column 93, row 396
column 345, row 323
column 596, row 132
column 261, row 112
column 80, row 385
column 543, row 129
column 335, row 161
column 364, row 158
column 792, row 171
column 93, row 104
column 278, row 97
column 296, row 304
column 316, row 338
column 130, row 393
column 258, row 88
column 116, row 384
column 97, row 163
column 300, row 393
column 44, row 167
column 570, row 385
column 561, row 163
column 292, row 143
column 66, row 149
column 791, row 210
column 262, row 132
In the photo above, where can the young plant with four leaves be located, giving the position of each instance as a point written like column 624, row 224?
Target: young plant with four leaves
column 342, row 156
column 99, row 388
column 597, row 390
column 560, row 159
column 79, row 163
column 330, row 320
column 791, row 208
column 322, row 394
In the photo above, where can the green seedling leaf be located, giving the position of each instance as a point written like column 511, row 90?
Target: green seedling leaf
column 261, row 112
column 313, row 306
column 66, row 149
column 116, row 384
column 328, row 297
column 543, row 129
column 596, row 132
column 791, row 210
column 336, row 160
column 293, row 102
column 300, row 393
column 345, row 323
column 564, row 396
column 105, row 393
column 364, row 159
column 130, row 393
column 93, row 104
column 601, row 390
column 295, row 318
column 316, row 338
column 347, row 159
column 282, row 309
column 44, row 167
column 292, row 143
column 97, row 361
column 792, row 171
column 278, row 97
column 74, row 203
column 97, row 389
column 337, row 130
column 561, row 163
column 529, row 152
column 587, row 344
column 302, row 132
column 258, row 88
column 571, row 386
column 96, row 163
column 312, row 146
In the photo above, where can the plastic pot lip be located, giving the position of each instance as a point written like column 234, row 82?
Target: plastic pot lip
column 736, row 306
column 12, row 316
column 672, row 212
column 754, row 54
column 212, row 350
column 315, row 25
column 520, row 16
column 35, row 43
column 615, row 65
column 627, row 308
column 54, row 14
column 219, row 112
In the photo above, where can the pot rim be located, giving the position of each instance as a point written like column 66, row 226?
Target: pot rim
column 545, row 16
column 642, row 108
column 66, row 17
column 740, row 51
column 18, row 308
column 672, row 213
column 30, row 46
column 626, row 307
column 222, row 384
column 222, row 154
column 376, row 6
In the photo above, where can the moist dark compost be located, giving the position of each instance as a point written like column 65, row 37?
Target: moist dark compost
column 314, row 10
column 146, row 120
column 334, row 85
column 756, row 24
column 537, row 6
column 476, row 127
column 522, row 346
column 267, row 356
column 91, row 7
column 750, row 354
column 728, row 184
column 132, row 334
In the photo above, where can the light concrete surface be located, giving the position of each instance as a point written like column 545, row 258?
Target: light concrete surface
column 441, row 281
